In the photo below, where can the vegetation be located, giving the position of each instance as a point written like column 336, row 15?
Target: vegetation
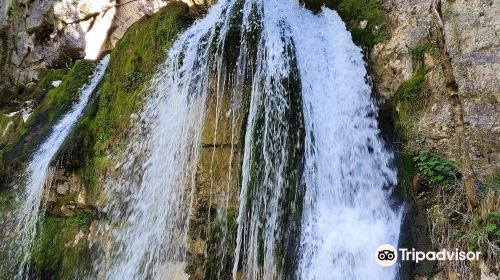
column 410, row 90
column 435, row 169
column 482, row 228
column 132, row 64
column 418, row 51
column 364, row 18
column 355, row 12
column 58, row 100
column 220, row 257
column 83, row 220
column 57, row 250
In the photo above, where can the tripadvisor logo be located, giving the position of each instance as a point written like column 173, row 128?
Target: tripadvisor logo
column 387, row 255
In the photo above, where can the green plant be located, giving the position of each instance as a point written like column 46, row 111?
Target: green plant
column 3, row 201
column 56, row 250
column 14, row 12
column 483, row 228
column 435, row 169
column 493, row 182
column 418, row 51
column 83, row 220
column 410, row 90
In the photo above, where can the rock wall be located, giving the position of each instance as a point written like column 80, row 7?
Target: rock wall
column 52, row 33
column 410, row 72
column 473, row 46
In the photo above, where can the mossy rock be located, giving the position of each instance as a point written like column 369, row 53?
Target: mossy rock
column 52, row 106
column 3, row 47
column 132, row 64
column 58, row 252
column 366, row 21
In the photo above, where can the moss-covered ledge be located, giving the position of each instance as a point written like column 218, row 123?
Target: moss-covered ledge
column 62, row 250
column 133, row 62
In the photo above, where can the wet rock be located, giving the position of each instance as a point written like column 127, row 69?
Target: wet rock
column 67, row 212
column 62, row 189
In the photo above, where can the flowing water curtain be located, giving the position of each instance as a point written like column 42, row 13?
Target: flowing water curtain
column 151, row 209
column 348, row 173
column 313, row 172
column 272, row 189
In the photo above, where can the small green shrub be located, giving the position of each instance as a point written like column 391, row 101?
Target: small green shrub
column 83, row 220
column 417, row 52
column 493, row 182
column 482, row 228
column 435, row 169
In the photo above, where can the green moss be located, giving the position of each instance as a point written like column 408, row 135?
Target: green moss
column 418, row 51
column 406, row 172
column 53, row 105
column 56, row 252
column 133, row 61
column 291, row 120
column 58, row 100
column 132, row 64
column 355, row 12
column 221, row 243
column 409, row 101
column 410, row 90
column 45, row 83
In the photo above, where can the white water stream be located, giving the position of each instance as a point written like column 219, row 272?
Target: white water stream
column 324, row 160
column 31, row 197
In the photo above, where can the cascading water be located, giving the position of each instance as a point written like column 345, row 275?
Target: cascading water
column 315, row 176
column 31, row 201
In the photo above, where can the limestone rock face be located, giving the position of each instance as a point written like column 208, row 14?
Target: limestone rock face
column 474, row 48
column 409, row 23
column 51, row 33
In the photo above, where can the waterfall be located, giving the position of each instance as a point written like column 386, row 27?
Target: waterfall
column 38, row 175
column 349, row 175
column 316, row 179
